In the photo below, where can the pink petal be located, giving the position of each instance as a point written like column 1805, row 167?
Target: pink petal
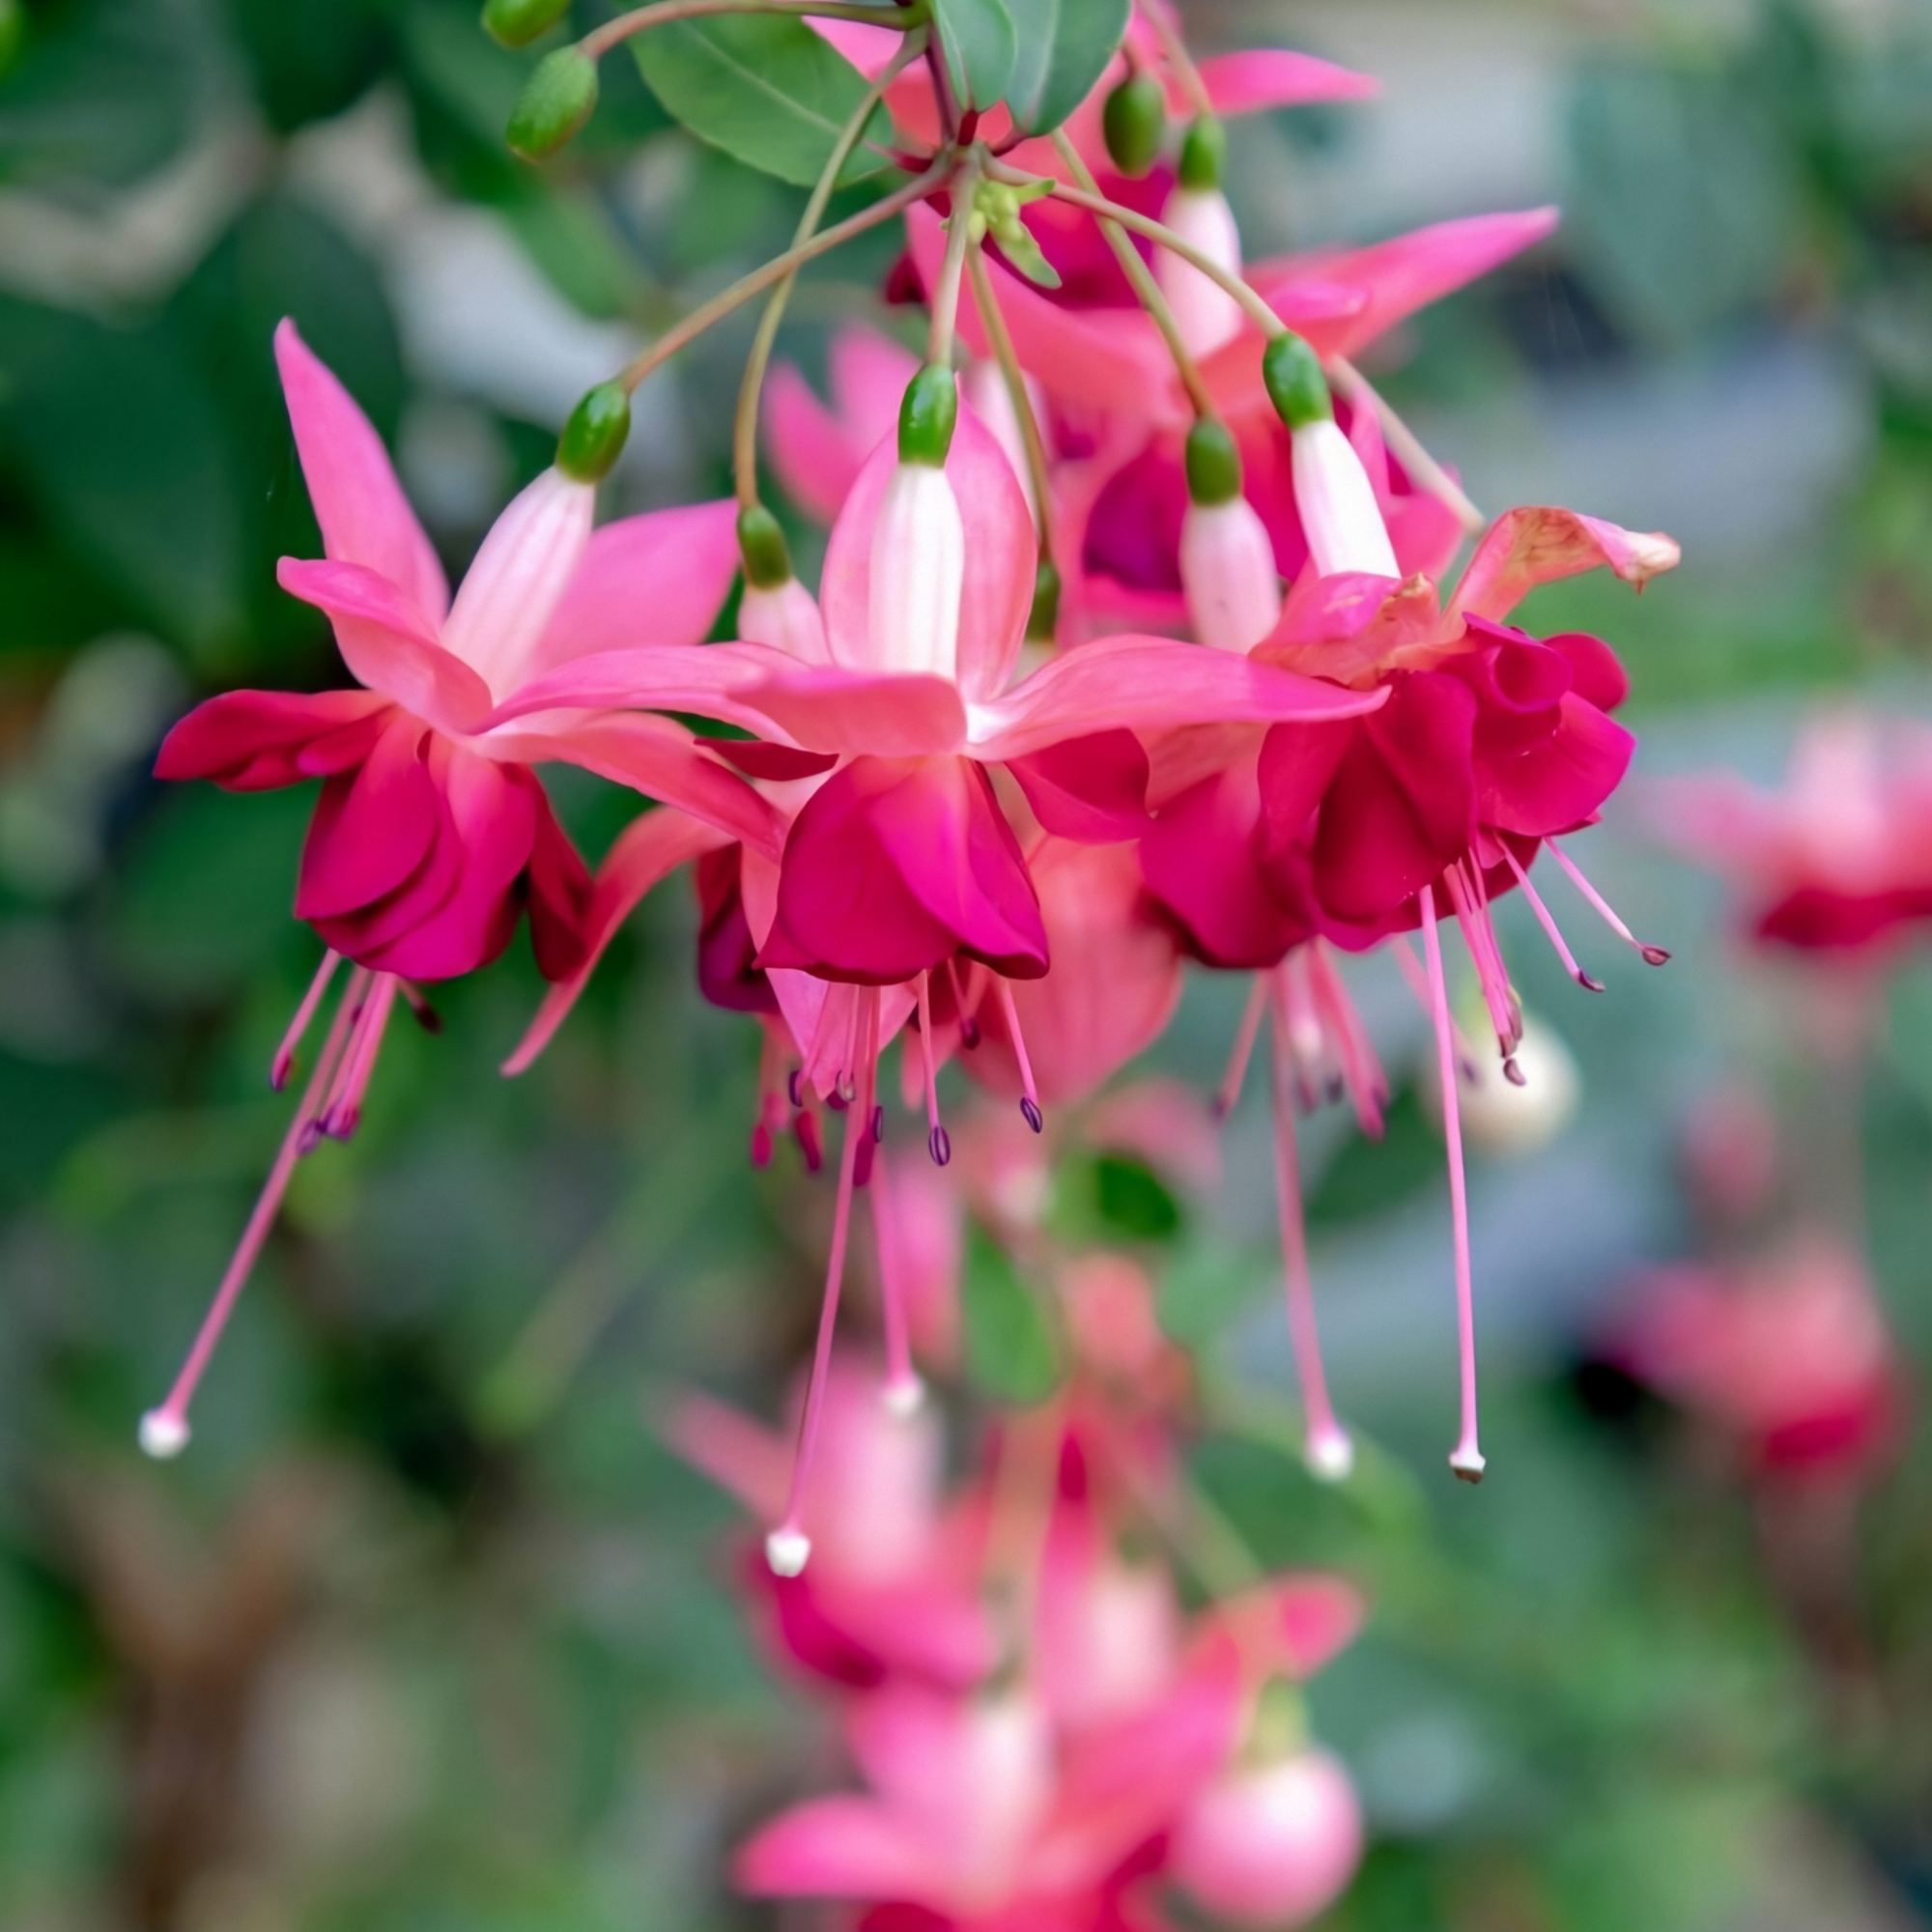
column 1264, row 77
column 385, row 643
column 996, row 593
column 1091, row 788
column 1528, row 546
column 557, row 888
column 1144, row 682
column 259, row 740
column 364, row 516
column 658, row 578
column 708, row 679
column 817, row 452
column 372, row 827
column 832, row 1848
column 827, row 708
column 647, row 850
column 738, row 1454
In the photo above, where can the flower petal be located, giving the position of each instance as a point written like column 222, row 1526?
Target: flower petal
column 259, row 740
column 1528, row 546
column 816, row 452
column 364, row 516
column 833, row 1848
column 372, row 827
column 707, row 680
column 1266, row 77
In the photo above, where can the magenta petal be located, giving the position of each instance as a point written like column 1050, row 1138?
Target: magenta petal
column 832, row 1848
column 372, row 827
column 702, row 678
column 1264, row 77
column 385, row 641
column 1092, row 790
column 364, row 516
column 259, row 740
column 1561, row 781
column 829, row 708
column 1528, row 546
column 559, row 891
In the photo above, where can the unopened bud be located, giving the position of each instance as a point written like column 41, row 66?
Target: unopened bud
column 762, row 544
column 557, row 99
column 1213, row 463
column 516, row 23
column 1291, row 373
column 1204, row 153
column 1134, row 123
column 928, row 414
column 1043, row 619
column 594, row 437
column 1340, row 516
column 1228, row 573
column 1207, row 312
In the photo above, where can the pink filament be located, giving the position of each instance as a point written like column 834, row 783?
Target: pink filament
column 935, row 1135
column 902, row 1382
column 285, row 1054
column 1653, row 955
column 858, row 1124
column 1326, row 1434
column 1030, row 1104
column 295, row 1144
column 1368, row 1086
column 1418, row 983
column 1466, row 1459
column 344, row 1112
column 1547, row 920
column 1230, row 1091
column 1479, row 935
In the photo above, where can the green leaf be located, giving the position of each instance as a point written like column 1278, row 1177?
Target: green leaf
column 980, row 45
column 765, row 89
column 1009, row 1351
column 1063, row 47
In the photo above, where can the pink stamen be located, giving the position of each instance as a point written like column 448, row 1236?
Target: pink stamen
column 1230, row 1090
column 969, row 1027
column 1547, row 920
column 344, row 1112
column 426, row 1015
column 1316, row 1075
column 164, row 1431
column 285, row 1054
column 1653, row 955
column 1029, row 1094
column 787, row 1548
column 938, row 1143
column 904, row 1391
column 1480, row 937
column 1418, row 983
column 1329, row 1452
column 1466, row 1458
column 1368, row 1085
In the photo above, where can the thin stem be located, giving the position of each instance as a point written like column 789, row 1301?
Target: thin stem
column 687, row 331
column 1141, row 279
column 946, row 292
column 744, row 426
column 1230, row 1090
column 1035, row 445
column 641, row 20
column 1407, row 444
column 1177, row 57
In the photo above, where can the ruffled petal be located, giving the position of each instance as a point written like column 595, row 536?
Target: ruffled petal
column 1528, row 546
column 1092, row 789
column 372, row 827
column 259, row 740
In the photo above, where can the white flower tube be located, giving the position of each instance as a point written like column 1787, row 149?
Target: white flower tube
column 1228, row 572
column 992, row 402
column 1205, row 313
column 1340, row 516
column 786, row 617
column 918, row 569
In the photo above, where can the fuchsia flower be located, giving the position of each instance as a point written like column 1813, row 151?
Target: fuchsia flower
column 1838, row 863
column 433, row 836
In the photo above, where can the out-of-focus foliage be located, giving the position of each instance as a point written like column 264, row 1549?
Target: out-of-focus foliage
column 427, row 1631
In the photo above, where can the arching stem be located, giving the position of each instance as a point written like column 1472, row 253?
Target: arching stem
column 952, row 266
column 1178, row 58
column 1035, row 445
column 641, row 20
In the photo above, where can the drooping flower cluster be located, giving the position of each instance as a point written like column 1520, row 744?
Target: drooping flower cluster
column 1132, row 645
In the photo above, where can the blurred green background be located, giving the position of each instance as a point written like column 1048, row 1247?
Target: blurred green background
column 426, row 1632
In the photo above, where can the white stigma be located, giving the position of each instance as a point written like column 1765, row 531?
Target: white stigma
column 163, row 1433
column 919, row 568
column 1468, row 1464
column 903, row 1398
column 1340, row 516
column 1331, row 1455
column 787, row 1551
column 1228, row 570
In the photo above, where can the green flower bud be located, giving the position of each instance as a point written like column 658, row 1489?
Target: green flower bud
column 1203, row 154
column 1134, row 121
column 1043, row 619
column 557, row 100
column 762, row 544
column 1213, row 463
column 1291, row 371
column 926, row 416
column 593, row 438
column 516, row 23
column 12, row 33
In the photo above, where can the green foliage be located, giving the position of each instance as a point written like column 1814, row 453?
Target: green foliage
column 979, row 44
column 1062, row 49
column 1011, row 1355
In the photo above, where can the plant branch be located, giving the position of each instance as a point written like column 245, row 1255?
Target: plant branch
column 1177, row 56
column 1142, row 280
column 641, row 20
column 995, row 324
column 1407, row 444
column 775, row 270
column 745, row 425
column 946, row 292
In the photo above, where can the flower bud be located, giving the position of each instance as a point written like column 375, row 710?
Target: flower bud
column 594, row 437
column 1340, row 516
column 761, row 546
column 516, row 23
column 785, row 617
column 1134, row 123
column 918, row 571
column 557, row 99
column 1292, row 374
column 1043, row 619
column 1205, row 313
column 927, row 413
column 1508, row 1119
column 1228, row 570
column 1204, row 153
column 1213, row 463
column 1271, row 1845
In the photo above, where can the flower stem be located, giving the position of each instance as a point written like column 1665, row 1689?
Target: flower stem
column 744, row 426
column 775, row 270
column 945, row 292
column 1146, row 289
column 1177, row 56
column 995, row 324
column 641, row 20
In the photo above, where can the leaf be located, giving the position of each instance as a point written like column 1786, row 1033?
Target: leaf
column 980, row 45
column 765, row 89
column 1063, row 48
column 1009, row 1351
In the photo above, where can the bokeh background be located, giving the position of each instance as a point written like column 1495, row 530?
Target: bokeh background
column 427, row 1631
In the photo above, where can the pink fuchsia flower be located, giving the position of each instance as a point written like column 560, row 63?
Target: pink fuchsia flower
column 433, row 836
column 1840, row 861
column 1790, row 1355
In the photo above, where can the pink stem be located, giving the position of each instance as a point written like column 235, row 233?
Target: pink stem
column 787, row 1547
column 1466, row 1458
column 1653, row 955
column 1230, row 1091
column 1368, row 1085
column 285, row 1054
column 1418, row 985
column 1329, row 1451
column 164, row 1431
column 1029, row 1093
column 938, row 1143
column 344, row 1107
column 1547, row 920
column 1480, row 938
